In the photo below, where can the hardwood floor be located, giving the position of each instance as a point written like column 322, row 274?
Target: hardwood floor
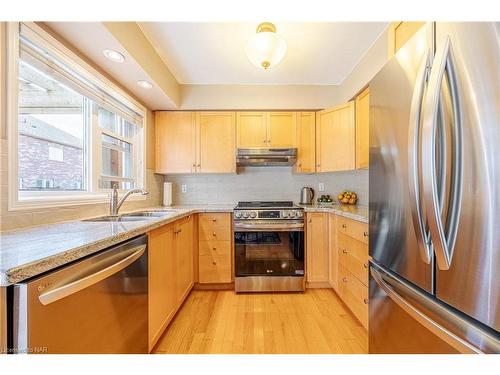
column 223, row 322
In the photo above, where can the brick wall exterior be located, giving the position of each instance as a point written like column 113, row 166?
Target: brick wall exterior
column 34, row 165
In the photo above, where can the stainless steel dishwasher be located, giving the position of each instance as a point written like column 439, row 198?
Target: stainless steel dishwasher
column 95, row 305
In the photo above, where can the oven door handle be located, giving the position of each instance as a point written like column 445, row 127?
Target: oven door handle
column 266, row 227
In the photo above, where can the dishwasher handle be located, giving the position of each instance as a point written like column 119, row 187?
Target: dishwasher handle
column 75, row 286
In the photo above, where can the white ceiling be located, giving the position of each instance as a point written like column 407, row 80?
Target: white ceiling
column 214, row 53
column 91, row 38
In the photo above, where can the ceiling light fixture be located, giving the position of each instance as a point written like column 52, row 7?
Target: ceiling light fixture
column 113, row 55
column 266, row 48
column 144, row 84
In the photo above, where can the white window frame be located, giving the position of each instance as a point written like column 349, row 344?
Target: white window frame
column 93, row 195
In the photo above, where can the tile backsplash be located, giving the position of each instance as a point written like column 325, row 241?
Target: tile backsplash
column 263, row 183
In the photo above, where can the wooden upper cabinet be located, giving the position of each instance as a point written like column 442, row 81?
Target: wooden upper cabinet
column 175, row 142
column 266, row 129
column 306, row 142
column 335, row 140
column 362, row 129
column 216, row 147
column 191, row 142
column 399, row 33
column 281, row 129
column 251, row 129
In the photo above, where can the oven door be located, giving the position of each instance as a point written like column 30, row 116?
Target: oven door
column 269, row 248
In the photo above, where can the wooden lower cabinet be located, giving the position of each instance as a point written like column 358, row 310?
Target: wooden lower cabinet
column 352, row 253
column 214, row 248
column 354, row 294
column 170, row 269
column 317, row 247
column 161, row 281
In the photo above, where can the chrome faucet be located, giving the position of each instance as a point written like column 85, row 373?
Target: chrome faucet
column 114, row 203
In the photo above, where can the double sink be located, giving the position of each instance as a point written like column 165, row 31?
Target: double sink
column 134, row 216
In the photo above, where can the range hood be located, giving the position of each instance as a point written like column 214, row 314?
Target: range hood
column 266, row 157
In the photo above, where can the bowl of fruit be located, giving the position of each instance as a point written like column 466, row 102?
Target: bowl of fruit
column 325, row 200
column 347, row 197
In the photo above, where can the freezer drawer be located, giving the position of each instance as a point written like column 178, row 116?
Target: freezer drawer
column 404, row 319
column 96, row 305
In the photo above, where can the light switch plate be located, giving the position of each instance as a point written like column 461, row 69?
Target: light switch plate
column 321, row 186
column 184, row 188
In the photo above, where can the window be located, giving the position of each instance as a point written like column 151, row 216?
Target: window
column 72, row 130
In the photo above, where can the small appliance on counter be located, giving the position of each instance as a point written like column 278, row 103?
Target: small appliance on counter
column 306, row 195
column 167, row 194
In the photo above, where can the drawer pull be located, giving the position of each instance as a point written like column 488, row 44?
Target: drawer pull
column 214, row 234
column 344, row 226
column 344, row 251
column 214, row 262
column 365, row 234
column 214, row 219
column 214, row 248
column 365, row 265
column 365, row 301
column 344, row 279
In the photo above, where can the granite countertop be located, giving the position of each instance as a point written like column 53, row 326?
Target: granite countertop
column 356, row 212
column 25, row 253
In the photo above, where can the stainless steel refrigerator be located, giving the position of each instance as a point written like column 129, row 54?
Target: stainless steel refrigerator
column 435, row 193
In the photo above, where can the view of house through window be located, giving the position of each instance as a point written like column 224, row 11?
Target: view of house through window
column 52, row 133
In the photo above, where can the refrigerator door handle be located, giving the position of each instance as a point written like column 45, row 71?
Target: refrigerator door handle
column 443, row 236
column 455, row 341
column 414, row 131
column 80, row 284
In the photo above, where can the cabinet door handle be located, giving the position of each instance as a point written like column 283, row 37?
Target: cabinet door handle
column 366, row 265
column 365, row 234
column 344, row 251
column 214, row 262
column 264, row 141
column 365, row 301
column 214, row 248
column 344, row 226
column 309, row 221
column 194, row 165
column 214, row 219
column 214, row 234
column 344, row 279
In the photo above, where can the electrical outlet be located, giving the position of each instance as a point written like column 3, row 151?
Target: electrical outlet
column 184, row 188
column 321, row 186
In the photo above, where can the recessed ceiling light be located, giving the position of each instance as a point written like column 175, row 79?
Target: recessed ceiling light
column 144, row 84
column 114, row 55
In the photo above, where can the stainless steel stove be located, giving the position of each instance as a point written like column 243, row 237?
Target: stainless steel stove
column 269, row 246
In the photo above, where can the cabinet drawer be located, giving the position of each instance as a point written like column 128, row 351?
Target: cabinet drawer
column 353, row 256
column 214, row 269
column 354, row 294
column 211, row 247
column 217, row 219
column 214, row 233
column 353, row 228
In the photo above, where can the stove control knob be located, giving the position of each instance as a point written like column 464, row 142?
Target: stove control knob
column 253, row 215
column 292, row 213
column 284, row 214
column 237, row 214
column 299, row 214
column 245, row 215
